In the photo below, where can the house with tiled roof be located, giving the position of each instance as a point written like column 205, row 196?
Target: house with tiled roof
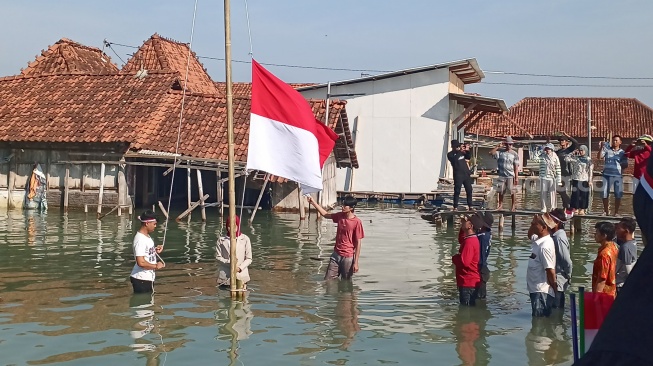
column 403, row 122
column 67, row 56
column 94, row 128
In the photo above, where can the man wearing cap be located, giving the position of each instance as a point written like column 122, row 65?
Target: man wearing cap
column 640, row 150
column 507, row 168
column 550, row 176
column 458, row 157
column 541, row 273
column 615, row 161
column 145, row 253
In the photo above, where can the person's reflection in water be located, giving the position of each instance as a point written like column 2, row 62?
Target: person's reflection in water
column 469, row 330
column 142, row 305
column 547, row 343
column 346, row 310
column 236, row 319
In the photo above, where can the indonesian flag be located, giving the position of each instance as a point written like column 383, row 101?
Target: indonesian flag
column 595, row 308
column 285, row 138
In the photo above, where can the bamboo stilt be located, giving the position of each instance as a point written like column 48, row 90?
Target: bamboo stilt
column 258, row 200
column 200, row 189
column 163, row 209
column 219, row 194
column 66, row 189
column 101, row 194
column 188, row 182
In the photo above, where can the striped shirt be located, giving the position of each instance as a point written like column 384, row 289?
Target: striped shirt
column 549, row 165
column 614, row 160
column 506, row 161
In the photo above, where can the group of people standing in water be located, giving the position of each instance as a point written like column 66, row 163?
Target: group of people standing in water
column 343, row 262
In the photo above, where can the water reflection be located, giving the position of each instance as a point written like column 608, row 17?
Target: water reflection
column 236, row 317
column 547, row 342
column 346, row 310
column 470, row 333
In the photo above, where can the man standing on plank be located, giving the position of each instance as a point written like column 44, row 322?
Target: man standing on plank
column 344, row 260
column 462, row 176
column 508, row 168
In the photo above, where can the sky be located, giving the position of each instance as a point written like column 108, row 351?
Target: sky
column 554, row 37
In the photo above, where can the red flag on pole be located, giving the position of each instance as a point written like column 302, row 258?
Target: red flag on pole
column 285, row 139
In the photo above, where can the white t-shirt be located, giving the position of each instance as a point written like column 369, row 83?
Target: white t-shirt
column 542, row 257
column 144, row 247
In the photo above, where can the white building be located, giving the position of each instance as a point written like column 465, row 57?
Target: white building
column 402, row 123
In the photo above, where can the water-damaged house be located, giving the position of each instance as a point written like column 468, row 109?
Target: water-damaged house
column 104, row 135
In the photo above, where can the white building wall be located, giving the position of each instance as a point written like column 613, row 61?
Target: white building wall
column 401, row 126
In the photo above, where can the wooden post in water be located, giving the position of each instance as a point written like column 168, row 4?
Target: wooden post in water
column 66, row 183
column 11, row 182
column 513, row 223
column 188, row 182
column 200, row 188
column 501, row 222
column 260, row 195
column 100, row 196
column 230, row 138
column 219, row 194
column 302, row 206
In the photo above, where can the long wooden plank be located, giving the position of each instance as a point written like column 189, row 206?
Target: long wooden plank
column 192, row 207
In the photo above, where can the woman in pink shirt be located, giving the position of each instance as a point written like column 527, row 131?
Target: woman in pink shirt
column 347, row 250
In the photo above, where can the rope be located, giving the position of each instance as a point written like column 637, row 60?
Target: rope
column 249, row 31
column 181, row 118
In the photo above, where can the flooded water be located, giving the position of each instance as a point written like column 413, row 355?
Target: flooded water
column 66, row 298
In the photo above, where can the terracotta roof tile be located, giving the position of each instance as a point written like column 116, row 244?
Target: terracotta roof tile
column 159, row 53
column 67, row 56
column 627, row 117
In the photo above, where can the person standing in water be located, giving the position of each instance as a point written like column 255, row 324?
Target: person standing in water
column 243, row 256
column 344, row 260
column 145, row 253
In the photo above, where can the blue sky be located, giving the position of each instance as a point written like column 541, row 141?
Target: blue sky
column 570, row 37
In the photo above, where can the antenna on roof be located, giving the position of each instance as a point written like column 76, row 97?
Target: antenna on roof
column 104, row 44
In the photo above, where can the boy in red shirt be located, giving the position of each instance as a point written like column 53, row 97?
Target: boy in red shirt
column 347, row 250
column 466, row 261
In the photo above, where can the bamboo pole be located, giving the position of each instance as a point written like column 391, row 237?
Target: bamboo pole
column 219, row 194
column 11, row 182
column 230, row 138
column 192, row 207
column 258, row 200
column 302, row 206
column 99, row 201
column 163, row 209
column 200, row 188
column 66, row 189
column 188, row 183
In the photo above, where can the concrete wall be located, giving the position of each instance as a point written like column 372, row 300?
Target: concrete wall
column 401, row 131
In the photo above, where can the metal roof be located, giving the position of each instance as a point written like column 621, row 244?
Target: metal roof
column 486, row 104
column 467, row 70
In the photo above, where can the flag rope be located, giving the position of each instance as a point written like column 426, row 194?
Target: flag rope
column 181, row 118
column 249, row 32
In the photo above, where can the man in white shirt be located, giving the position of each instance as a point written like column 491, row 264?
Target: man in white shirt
column 145, row 254
column 540, row 274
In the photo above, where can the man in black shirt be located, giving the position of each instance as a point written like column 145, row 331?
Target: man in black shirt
column 567, row 146
column 458, row 157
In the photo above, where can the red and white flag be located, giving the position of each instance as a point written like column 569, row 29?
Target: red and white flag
column 285, row 139
column 596, row 306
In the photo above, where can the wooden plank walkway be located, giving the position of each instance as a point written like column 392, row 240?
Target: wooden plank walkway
column 448, row 216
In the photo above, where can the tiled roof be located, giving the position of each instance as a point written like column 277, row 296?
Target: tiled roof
column 79, row 108
column 67, row 56
column 627, row 117
column 159, row 53
column 142, row 113
column 244, row 89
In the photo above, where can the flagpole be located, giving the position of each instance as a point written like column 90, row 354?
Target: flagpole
column 230, row 138
column 581, row 327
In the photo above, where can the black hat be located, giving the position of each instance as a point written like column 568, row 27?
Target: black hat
column 455, row 143
column 148, row 216
column 481, row 221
